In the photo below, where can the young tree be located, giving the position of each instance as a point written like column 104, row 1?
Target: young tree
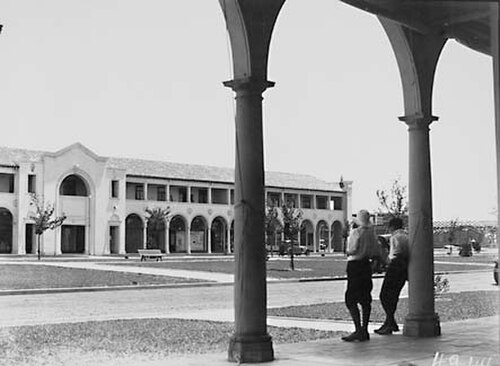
column 394, row 202
column 292, row 218
column 155, row 220
column 44, row 219
column 272, row 224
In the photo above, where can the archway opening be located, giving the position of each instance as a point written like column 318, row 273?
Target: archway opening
column 337, row 240
column 307, row 234
column 177, row 235
column 218, row 235
column 155, row 232
column 73, row 185
column 198, row 235
column 5, row 231
column 134, row 229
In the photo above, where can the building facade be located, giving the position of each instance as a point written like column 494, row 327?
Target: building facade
column 104, row 201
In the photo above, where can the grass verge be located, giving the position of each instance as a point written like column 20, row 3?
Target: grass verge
column 26, row 276
column 126, row 340
column 449, row 306
column 279, row 267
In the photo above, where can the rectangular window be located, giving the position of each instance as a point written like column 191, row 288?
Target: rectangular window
column 6, row 183
column 274, row 199
column 139, row 192
column 31, row 183
column 337, row 203
column 219, row 196
column 305, row 201
column 162, row 193
column 114, row 189
column 321, row 202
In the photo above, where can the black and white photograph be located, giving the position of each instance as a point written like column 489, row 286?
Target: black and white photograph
column 272, row 182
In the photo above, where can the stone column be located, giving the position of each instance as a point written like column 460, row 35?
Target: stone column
column 329, row 239
column 250, row 24
column 495, row 53
column 188, row 238
column 417, row 56
column 421, row 319
column 209, row 240
column 250, row 340
column 228, row 241
column 167, row 237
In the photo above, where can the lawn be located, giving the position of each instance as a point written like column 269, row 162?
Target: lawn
column 279, row 267
column 126, row 340
column 26, row 276
column 449, row 306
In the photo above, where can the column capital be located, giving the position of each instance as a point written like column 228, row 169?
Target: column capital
column 418, row 121
column 250, row 85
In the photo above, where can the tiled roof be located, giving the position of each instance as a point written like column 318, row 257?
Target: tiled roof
column 150, row 168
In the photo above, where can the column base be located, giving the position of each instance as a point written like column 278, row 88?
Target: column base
column 248, row 349
column 422, row 326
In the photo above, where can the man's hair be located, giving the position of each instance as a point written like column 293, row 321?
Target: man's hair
column 395, row 223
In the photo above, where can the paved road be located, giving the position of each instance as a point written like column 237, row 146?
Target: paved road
column 215, row 302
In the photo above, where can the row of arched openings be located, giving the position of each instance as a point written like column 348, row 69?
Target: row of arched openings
column 136, row 236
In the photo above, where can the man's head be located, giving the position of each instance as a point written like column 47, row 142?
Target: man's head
column 363, row 217
column 395, row 223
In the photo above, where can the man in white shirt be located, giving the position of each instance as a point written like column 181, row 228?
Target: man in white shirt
column 395, row 276
column 361, row 246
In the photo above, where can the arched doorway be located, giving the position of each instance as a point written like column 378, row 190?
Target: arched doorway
column 337, row 240
column 198, row 235
column 218, row 235
column 307, row 234
column 74, row 192
column 177, row 235
column 322, row 235
column 5, row 231
column 134, row 232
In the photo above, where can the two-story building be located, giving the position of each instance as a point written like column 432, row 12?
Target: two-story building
column 104, row 201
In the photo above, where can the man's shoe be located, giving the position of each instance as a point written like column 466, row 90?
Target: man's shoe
column 353, row 337
column 365, row 336
column 358, row 336
column 381, row 329
column 384, row 331
column 394, row 328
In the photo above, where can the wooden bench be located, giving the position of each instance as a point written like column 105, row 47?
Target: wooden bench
column 150, row 253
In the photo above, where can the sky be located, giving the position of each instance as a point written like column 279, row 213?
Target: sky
column 143, row 79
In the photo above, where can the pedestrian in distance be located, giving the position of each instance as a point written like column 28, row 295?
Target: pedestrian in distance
column 395, row 276
column 361, row 246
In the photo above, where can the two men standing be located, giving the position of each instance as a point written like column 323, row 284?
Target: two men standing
column 362, row 247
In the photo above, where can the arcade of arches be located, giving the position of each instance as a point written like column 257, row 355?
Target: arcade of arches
column 174, row 236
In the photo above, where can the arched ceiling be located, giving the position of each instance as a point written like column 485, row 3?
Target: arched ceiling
column 469, row 22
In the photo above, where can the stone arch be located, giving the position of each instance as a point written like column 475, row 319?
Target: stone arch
column 134, row 233
column 218, row 234
column 198, row 234
column 177, row 234
column 6, row 222
column 337, row 239
column 322, row 233
column 307, row 234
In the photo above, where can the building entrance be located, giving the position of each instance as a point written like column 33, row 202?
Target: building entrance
column 73, row 239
